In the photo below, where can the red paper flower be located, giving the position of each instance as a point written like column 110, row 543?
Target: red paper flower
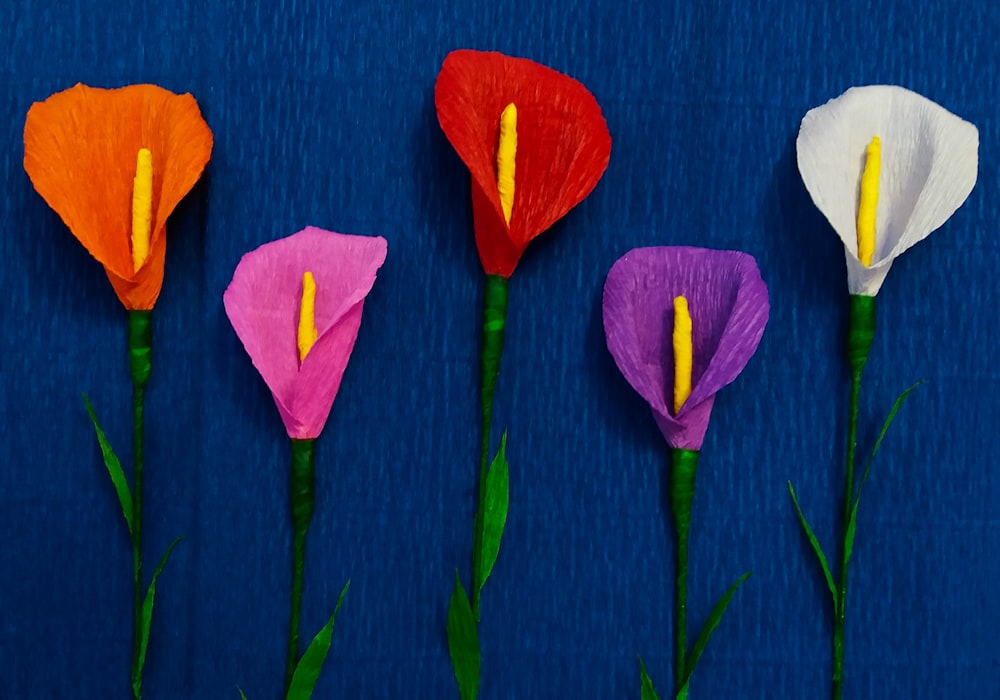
column 562, row 143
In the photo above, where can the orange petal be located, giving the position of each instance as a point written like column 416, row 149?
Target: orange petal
column 79, row 151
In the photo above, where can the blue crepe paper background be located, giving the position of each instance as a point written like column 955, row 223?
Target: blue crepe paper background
column 323, row 114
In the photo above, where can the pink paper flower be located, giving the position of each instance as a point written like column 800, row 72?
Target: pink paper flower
column 263, row 303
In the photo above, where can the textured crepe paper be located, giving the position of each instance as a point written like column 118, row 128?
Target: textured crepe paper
column 80, row 149
column 262, row 303
column 729, row 309
column 929, row 166
column 929, row 163
column 563, row 145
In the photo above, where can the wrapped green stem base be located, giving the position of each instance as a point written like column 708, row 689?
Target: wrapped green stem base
column 860, row 335
column 683, row 469
column 491, row 502
column 860, row 330
column 494, row 322
column 140, row 354
column 140, row 340
column 303, row 498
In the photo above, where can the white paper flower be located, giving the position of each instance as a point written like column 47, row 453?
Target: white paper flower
column 930, row 159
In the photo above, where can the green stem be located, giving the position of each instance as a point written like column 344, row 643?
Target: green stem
column 140, row 351
column 494, row 319
column 683, row 467
column 302, row 488
column 860, row 334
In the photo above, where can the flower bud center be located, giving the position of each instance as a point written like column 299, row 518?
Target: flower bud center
column 142, row 207
column 307, row 334
column 683, row 352
column 506, row 150
column 868, row 202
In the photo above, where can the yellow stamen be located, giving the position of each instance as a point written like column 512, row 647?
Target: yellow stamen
column 142, row 207
column 868, row 201
column 505, row 159
column 683, row 353
column 307, row 316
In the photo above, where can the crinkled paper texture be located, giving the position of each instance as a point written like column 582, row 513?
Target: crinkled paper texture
column 563, row 145
column 263, row 302
column 729, row 308
column 930, row 160
column 80, row 148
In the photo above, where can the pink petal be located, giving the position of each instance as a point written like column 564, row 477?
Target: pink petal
column 263, row 301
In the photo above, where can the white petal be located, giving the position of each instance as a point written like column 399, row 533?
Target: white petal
column 930, row 159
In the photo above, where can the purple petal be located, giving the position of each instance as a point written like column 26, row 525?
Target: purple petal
column 263, row 301
column 729, row 309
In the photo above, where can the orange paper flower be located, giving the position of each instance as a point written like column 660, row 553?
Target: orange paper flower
column 80, row 151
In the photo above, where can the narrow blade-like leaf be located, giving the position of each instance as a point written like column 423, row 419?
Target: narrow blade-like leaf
column 463, row 643
column 242, row 694
column 852, row 523
column 648, row 692
column 494, row 510
column 714, row 618
column 311, row 664
column 114, row 468
column 147, row 615
column 815, row 545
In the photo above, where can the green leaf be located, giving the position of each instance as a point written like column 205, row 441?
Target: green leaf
column 815, row 545
column 242, row 694
column 853, row 521
column 114, row 468
column 706, row 632
column 494, row 511
column 463, row 643
column 648, row 692
column 308, row 669
column 147, row 616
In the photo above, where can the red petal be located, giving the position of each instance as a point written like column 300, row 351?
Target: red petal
column 498, row 254
column 563, row 145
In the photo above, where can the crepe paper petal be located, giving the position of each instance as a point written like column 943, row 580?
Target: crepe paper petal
column 311, row 664
column 463, row 643
column 563, row 145
column 147, row 619
column 80, row 148
column 729, row 309
column 930, row 160
column 114, row 467
column 262, row 303
column 495, row 510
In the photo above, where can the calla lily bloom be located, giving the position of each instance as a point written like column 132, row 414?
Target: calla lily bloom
column 316, row 275
column 929, row 161
column 81, row 148
column 726, row 307
column 534, row 140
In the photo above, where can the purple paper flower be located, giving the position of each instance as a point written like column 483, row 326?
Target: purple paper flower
column 263, row 303
column 729, row 307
